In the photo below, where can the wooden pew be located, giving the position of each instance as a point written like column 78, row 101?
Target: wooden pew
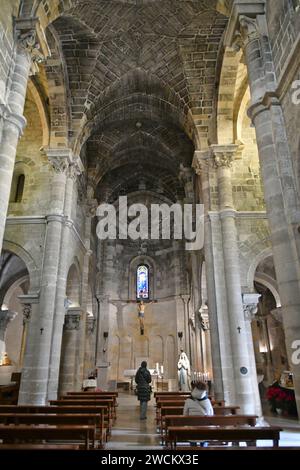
column 182, row 396
column 228, row 434
column 104, row 420
column 86, row 402
column 93, row 396
column 166, row 394
column 58, row 420
column 92, row 393
column 229, row 420
column 24, row 433
column 29, row 446
column 178, row 402
column 90, row 396
column 178, row 410
column 175, row 401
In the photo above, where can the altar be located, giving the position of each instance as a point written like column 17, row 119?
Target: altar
column 130, row 373
column 156, row 383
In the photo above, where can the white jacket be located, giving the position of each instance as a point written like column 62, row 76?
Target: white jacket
column 195, row 407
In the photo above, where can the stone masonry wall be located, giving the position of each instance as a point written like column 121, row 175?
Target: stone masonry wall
column 283, row 18
column 8, row 9
column 34, row 164
column 283, row 25
column 291, row 109
column 253, row 239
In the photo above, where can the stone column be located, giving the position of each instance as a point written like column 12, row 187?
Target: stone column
column 250, row 302
column 6, row 316
column 89, row 359
column 37, row 367
column 219, row 334
column 196, row 289
column 11, row 113
column 101, row 341
column 68, row 350
column 42, row 332
column 29, row 388
column 205, row 339
column 72, row 170
column 223, row 157
column 90, row 210
column 187, row 345
column 26, row 319
column 248, row 29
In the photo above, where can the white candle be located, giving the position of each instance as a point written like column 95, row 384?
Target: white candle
column 156, row 367
column 161, row 369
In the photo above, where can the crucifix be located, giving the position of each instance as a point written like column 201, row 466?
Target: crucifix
column 141, row 312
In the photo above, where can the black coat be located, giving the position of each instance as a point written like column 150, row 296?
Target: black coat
column 143, row 379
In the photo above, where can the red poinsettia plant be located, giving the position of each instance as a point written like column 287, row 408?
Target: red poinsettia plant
column 281, row 398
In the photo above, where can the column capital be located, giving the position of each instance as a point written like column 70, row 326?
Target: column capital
column 200, row 162
column 31, row 40
column 75, row 168
column 92, row 205
column 204, row 317
column 63, row 160
column 27, row 309
column 216, row 156
column 224, row 155
column 60, row 158
column 250, row 302
column 90, row 325
column 185, row 174
column 242, row 26
column 72, row 319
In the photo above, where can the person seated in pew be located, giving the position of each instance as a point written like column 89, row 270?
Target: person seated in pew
column 90, row 384
column 199, row 403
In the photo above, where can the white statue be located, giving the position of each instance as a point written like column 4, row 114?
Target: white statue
column 184, row 372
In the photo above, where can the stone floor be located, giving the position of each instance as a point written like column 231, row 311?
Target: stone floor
column 129, row 432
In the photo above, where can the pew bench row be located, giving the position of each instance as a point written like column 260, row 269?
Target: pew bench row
column 76, row 421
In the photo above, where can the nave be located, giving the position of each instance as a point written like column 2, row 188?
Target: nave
column 121, row 120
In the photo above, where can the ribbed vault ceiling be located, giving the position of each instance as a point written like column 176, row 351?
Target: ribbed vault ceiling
column 141, row 78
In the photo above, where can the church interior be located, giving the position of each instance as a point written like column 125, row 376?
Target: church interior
column 163, row 104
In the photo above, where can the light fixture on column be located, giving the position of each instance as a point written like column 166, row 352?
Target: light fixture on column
column 105, row 336
column 180, row 335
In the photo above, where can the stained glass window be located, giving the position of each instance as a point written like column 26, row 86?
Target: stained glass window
column 142, row 282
